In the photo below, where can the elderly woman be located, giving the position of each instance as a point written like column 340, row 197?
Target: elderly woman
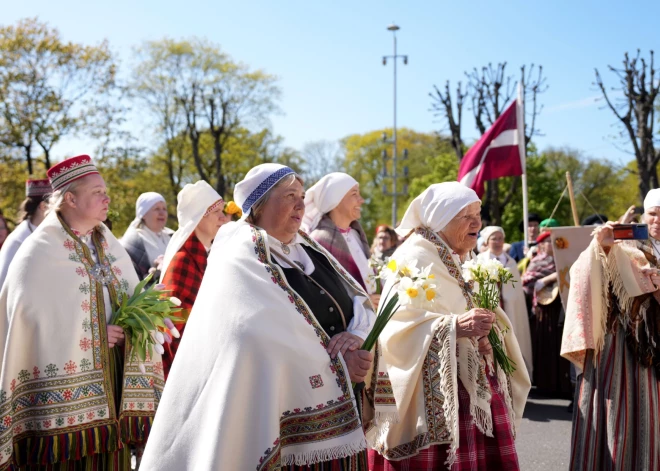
column 67, row 400
column 512, row 294
column 612, row 336
column 332, row 209
column 32, row 212
column 385, row 243
column 540, row 285
column 146, row 238
column 273, row 341
column 440, row 402
column 200, row 213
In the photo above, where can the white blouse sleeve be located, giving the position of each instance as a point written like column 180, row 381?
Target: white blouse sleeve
column 363, row 318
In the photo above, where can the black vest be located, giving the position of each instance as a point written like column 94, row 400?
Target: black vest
column 318, row 301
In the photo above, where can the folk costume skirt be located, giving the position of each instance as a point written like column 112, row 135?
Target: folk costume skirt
column 476, row 451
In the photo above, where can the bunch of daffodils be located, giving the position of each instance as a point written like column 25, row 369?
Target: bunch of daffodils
column 146, row 318
column 489, row 276
column 412, row 287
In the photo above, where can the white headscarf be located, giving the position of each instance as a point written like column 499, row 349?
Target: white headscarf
column 488, row 231
column 194, row 202
column 436, row 207
column 652, row 199
column 256, row 184
column 144, row 203
column 323, row 197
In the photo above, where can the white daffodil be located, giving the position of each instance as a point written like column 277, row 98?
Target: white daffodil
column 409, row 292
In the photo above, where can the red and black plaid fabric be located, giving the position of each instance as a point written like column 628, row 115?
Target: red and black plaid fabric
column 476, row 451
column 184, row 276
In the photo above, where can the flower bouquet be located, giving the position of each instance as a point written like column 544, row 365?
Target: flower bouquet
column 412, row 287
column 147, row 319
column 489, row 277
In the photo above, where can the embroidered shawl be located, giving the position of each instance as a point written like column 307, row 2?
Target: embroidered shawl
column 184, row 276
column 56, row 389
column 515, row 307
column 593, row 275
column 10, row 247
column 328, row 235
column 421, row 360
column 264, row 392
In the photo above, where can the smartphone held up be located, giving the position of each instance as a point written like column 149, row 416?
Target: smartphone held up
column 630, row 231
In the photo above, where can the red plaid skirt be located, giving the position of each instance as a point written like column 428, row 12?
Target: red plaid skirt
column 476, row 451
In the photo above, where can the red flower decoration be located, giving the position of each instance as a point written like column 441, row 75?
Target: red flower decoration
column 85, row 344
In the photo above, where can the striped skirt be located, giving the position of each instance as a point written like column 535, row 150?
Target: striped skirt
column 476, row 451
column 616, row 423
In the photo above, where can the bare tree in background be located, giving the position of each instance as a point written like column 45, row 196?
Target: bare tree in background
column 639, row 85
column 490, row 90
column 320, row 158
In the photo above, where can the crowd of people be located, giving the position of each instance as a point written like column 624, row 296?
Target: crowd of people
column 281, row 291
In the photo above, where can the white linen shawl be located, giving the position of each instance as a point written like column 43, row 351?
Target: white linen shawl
column 515, row 307
column 252, row 386
column 421, row 362
column 10, row 247
column 55, row 383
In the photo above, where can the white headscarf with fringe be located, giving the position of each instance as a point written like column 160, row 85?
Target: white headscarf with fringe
column 194, row 201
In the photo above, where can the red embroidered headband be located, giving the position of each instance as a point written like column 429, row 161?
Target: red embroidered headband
column 69, row 170
column 38, row 188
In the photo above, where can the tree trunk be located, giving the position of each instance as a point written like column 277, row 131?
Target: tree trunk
column 28, row 158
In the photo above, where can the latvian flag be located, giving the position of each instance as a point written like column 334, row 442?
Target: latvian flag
column 498, row 153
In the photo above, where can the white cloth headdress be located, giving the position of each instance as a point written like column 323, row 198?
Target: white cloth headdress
column 436, row 207
column 652, row 199
column 144, row 203
column 194, row 202
column 488, row 231
column 256, row 184
column 324, row 196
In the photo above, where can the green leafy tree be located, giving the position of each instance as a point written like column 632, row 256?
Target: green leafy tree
column 193, row 87
column 49, row 88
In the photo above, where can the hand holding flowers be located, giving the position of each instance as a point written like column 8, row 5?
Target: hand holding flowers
column 489, row 276
column 146, row 319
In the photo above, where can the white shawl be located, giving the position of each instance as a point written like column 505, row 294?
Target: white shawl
column 10, row 247
column 515, row 308
column 264, row 392
column 55, row 378
column 421, row 362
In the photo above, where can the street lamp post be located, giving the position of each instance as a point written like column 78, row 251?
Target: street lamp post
column 394, row 28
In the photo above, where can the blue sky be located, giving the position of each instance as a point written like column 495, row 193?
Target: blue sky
column 327, row 55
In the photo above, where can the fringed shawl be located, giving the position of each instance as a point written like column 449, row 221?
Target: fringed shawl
column 328, row 235
column 264, row 393
column 421, row 361
column 57, row 400
column 594, row 276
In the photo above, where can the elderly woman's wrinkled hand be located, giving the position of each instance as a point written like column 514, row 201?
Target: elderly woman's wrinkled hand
column 605, row 235
column 485, row 348
column 358, row 362
column 343, row 342
column 476, row 322
column 654, row 274
column 115, row 335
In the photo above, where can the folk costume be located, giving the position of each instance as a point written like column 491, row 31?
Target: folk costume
column 439, row 404
column 35, row 189
column 612, row 336
column 185, row 259
column 142, row 244
column 553, row 376
column 67, row 401
column 513, row 298
column 265, row 394
column 349, row 247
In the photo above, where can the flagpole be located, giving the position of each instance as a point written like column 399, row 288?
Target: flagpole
column 520, row 109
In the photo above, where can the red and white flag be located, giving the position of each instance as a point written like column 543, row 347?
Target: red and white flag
column 499, row 153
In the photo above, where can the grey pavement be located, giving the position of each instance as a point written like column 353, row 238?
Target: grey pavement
column 544, row 439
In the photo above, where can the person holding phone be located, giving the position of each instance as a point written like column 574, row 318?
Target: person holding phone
column 612, row 336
